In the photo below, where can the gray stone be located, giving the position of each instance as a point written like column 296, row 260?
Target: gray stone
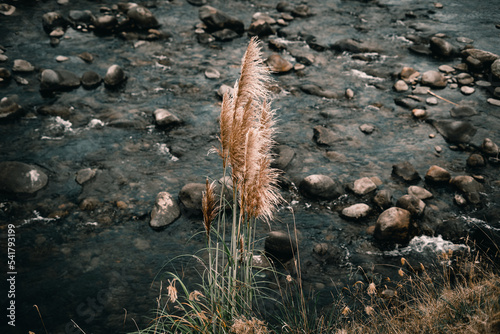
column 142, row 17
column 383, row 199
column 462, row 111
column 280, row 246
column 91, row 79
column 489, row 147
column 437, row 174
column 356, row 211
column 278, row 64
column 318, row 91
column 363, row 186
column 84, row 175
column 419, row 192
column 165, row 211
column 21, row 65
column 20, row 178
column 114, row 76
column 495, row 68
column 466, row 90
column 441, row 48
column 469, row 186
column 405, row 171
column 9, row 106
column 163, row 117
column 353, row 46
column 191, row 196
column 325, row 136
column 412, row 204
column 455, row 131
column 400, row 86
column 216, row 20
column 283, row 155
column 434, row 79
column 321, row 187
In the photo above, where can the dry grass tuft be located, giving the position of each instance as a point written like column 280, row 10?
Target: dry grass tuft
column 243, row 325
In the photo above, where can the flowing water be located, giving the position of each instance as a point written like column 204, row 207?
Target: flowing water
column 101, row 268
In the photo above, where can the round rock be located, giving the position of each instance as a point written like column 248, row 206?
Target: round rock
column 411, row 203
column 469, row 186
column 437, row 174
column 489, row 147
column 419, row 192
column 114, row 76
column 356, row 211
column 142, row 17
column 405, row 171
column 163, row 117
column 434, row 79
column 91, row 79
column 393, row 225
column 21, row 65
column 20, row 178
column 363, row 186
column 320, row 187
column 280, row 246
column 165, row 211
column 278, row 64
column 191, row 196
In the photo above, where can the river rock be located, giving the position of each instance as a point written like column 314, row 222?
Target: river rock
column 356, row 211
column 6, row 9
column 53, row 80
column 163, row 117
column 437, row 174
column 353, row 46
column 462, row 111
column 84, row 175
column 465, row 79
column 441, row 47
column 86, row 57
column 383, row 199
column 191, row 195
column 455, row 131
column 419, row 192
column 5, row 76
column 105, row 24
column 280, row 246
column 489, row 147
column 405, row 171
column 91, row 79
column 165, row 211
column 278, row 64
column 21, row 65
column 476, row 160
column 197, row 2
column 9, row 106
column 495, row 68
column 81, row 17
column 412, row 204
column 393, row 225
column 325, row 136
column 446, row 69
column 320, row 187
column 20, row 178
column 363, row 186
column 225, row 35
column 260, row 28
column 53, row 20
column 283, row 155
column 301, row 11
column 433, row 79
column 114, row 76
column 400, row 86
column 142, row 17
column 466, row 90
column 485, row 58
column 409, row 75
column 469, row 186
column 312, row 89
column 216, row 20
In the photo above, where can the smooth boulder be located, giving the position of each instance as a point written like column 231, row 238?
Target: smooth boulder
column 320, row 187
column 165, row 211
column 20, row 178
column 393, row 226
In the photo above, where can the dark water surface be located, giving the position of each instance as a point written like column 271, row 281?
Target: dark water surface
column 100, row 267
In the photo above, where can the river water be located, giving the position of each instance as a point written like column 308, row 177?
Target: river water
column 101, row 268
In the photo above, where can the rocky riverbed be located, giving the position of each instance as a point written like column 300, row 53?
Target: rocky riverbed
column 389, row 126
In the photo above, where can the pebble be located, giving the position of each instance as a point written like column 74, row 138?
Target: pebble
column 438, row 149
column 419, row 113
column 437, row 174
column 21, row 65
column 465, row 40
column 164, row 117
column 494, row 102
column 400, row 86
column 465, row 79
column 466, row 90
column 363, row 186
column 367, row 128
column 431, row 101
column 446, row 69
column 114, row 76
column 349, row 93
column 278, row 64
column 86, row 56
column 356, row 211
column 61, row 58
column 3, row 58
column 212, row 73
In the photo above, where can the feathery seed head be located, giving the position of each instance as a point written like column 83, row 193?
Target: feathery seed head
column 209, row 206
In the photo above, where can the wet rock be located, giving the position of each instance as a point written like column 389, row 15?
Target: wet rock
column 86, row 57
column 9, row 107
column 21, row 65
column 465, row 79
column 216, row 20
column 283, row 155
column 6, row 9
column 432, row 101
column 419, row 192
column 485, row 58
column 320, row 187
column 325, row 136
column 409, row 75
column 393, row 226
column 367, row 128
column 495, row 68
column 446, row 69
column 91, row 79
column 53, row 20
column 280, row 246
column 462, row 111
column 407, row 103
column 383, row 199
column 165, row 211
column 225, row 35
column 105, row 24
column 476, row 160
column 163, row 117
column 494, row 102
column 433, row 79
column 85, row 175
column 400, row 86
column 20, row 178
column 81, row 17
column 223, row 89
column 53, row 80
column 455, row 131
column 89, row 204
column 278, row 64
column 356, row 211
column 469, row 186
column 260, row 28
column 405, row 171
column 489, row 147
column 212, row 73
column 349, row 94
column 363, row 186
column 466, row 90
column 420, row 49
column 197, row 2
column 437, row 174
column 191, row 195
column 114, row 76
column 353, row 46
column 142, row 17
column 284, row 6
column 412, row 204
column 301, row 11
column 419, row 113
column 442, row 48
column 5, row 76
column 318, row 91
